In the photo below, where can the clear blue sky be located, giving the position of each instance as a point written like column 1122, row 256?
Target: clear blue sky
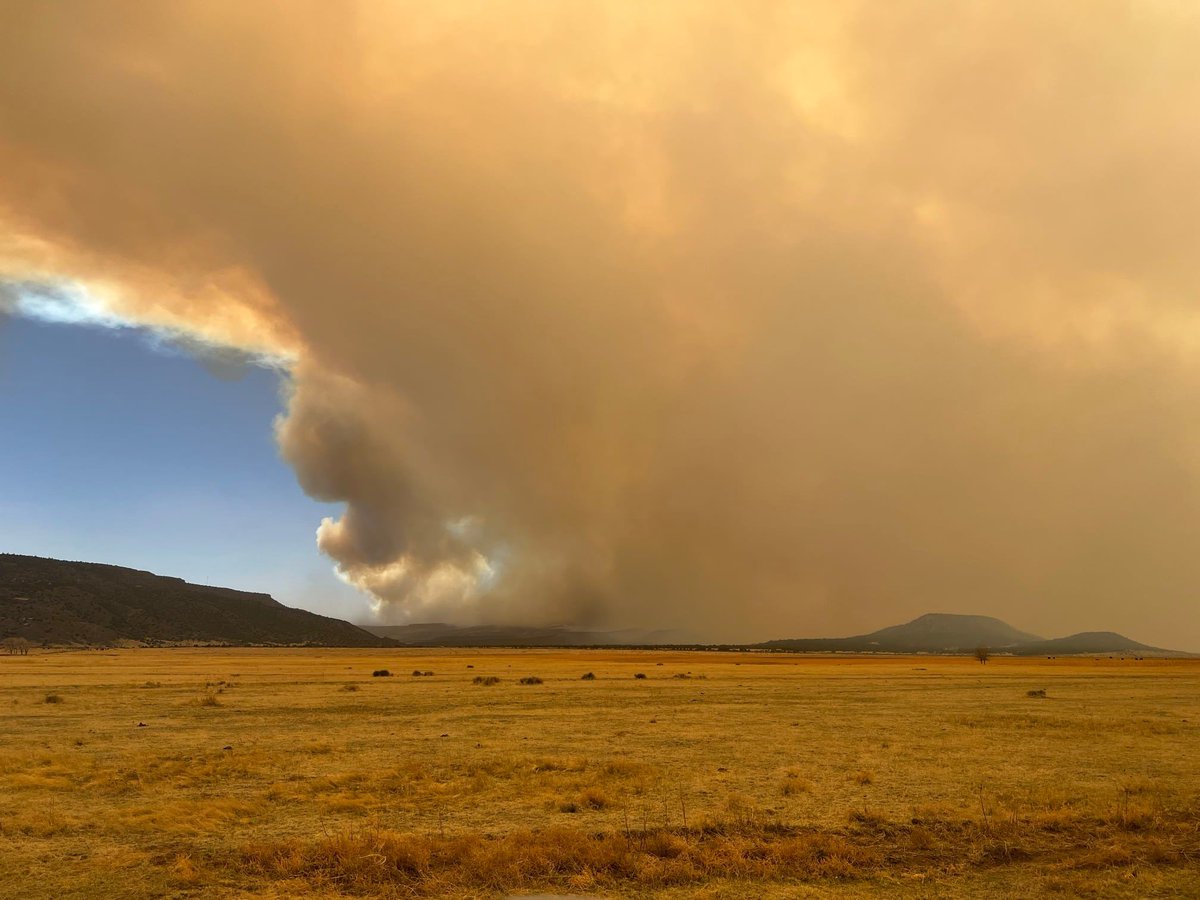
column 113, row 449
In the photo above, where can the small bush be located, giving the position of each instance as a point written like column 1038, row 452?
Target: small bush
column 381, row 673
column 207, row 700
column 794, row 782
column 866, row 816
column 417, row 673
column 588, row 676
column 1040, row 692
column 639, row 675
column 427, row 674
column 485, row 679
column 531, row 679
column 792, row 786
column 594, row 798
column 53, row 698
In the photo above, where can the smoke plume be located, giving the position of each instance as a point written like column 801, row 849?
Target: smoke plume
column 753, row 319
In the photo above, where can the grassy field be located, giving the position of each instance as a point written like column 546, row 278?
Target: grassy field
column 297, row 773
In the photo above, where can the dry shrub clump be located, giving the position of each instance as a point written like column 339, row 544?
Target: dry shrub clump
column 588, row 676
column 1041, row 692
column 531, row 679
column 639, row 675
column 52, row 698
column 206, row 699
column 794, row 783
column 381, row 673
column 485, row 680
column 594, row 798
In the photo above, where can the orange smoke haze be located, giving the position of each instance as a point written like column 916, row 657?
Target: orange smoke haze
column 751, row 319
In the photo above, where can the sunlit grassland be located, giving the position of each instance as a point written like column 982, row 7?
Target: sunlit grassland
column 230, row 772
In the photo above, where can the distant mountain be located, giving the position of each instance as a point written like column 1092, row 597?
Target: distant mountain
column 930, row 633
column 58, row 602
column 948, row 633
column 438, row 634
column 1089, row 642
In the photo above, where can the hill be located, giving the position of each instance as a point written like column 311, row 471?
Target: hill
column 1089, row 642
column 930, row 633
column 57, row 602
column 438, row 634
column 948, row 633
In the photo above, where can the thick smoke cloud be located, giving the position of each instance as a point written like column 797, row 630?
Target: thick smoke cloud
column 749, row 319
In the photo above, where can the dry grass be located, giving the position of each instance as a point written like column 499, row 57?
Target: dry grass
column 758, row 775
column 365, row 861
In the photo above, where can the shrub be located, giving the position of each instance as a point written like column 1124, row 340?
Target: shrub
column 53, row 698
column 639, row 675
column 531, row 679
column 1040, row 692
column 594, row 798
column 485, row 679
column 208, row 700
column 417, row 673
column 427, row 674
column 18, row 646
column 794, row 782
column 792, row 786
column 866, row 816
column 588, row 676
column 381, row 673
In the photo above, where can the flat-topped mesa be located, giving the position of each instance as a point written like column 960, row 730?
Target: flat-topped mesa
column 51, row 601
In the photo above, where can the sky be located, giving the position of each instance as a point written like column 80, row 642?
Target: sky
column 123, row 450
column 772, row 319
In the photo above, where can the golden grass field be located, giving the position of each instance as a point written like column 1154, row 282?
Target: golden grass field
column 296, row 773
